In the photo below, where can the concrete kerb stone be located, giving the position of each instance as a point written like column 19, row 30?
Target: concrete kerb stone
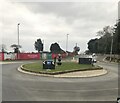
column 20, row 69
column 83, row 76
column 79, row 74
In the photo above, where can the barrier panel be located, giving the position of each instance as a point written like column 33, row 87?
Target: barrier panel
column 49, row 56
column 54, row 55
column 63, row 55
column 28, row 56
column 44, row 56
column 1, row 56
column 10, row 56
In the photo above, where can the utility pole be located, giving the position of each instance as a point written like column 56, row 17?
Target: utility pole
column 111, row 31
column 111, row 46
column 76, row 44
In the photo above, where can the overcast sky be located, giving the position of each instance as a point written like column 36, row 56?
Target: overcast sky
column 52, row 21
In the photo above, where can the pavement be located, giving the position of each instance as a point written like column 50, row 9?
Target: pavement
column 88, row 73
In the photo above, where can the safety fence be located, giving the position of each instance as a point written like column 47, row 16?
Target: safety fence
column 19, row 56
column 29, row 56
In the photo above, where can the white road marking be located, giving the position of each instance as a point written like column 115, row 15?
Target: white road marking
column 83, row 90
column 9, row 62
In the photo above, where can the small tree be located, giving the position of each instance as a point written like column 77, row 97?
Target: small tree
column 3, row 48
column 76, row 49
column 55, row 48
column 38, row 45
column 16, row 48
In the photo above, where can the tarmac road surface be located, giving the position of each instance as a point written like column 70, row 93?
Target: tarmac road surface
column 17, row 86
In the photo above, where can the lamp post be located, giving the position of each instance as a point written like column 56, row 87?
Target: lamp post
column 67, row 42
column 43, row 44
column 18, row 32
column 18, row 38
column 111, row 31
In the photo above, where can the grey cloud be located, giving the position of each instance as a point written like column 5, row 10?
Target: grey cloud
column 51, row 21
column 81, row 17
column 87, row 11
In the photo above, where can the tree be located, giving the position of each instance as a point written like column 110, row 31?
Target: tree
column 55, row 48
column 16, row 48
column 118, row 35
column 76, row 50
column 87, row 52
column 116, row 38
column 38, row 45
column 3, row 48
column 103, row 44
column 93, row 45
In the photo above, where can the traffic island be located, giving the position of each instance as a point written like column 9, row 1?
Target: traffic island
column 67, row 69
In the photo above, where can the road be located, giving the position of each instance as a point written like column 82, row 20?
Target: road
column 17, row 86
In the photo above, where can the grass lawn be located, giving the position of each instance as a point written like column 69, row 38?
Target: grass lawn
column 66, row 66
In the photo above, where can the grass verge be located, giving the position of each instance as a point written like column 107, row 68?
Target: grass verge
column 64, row 68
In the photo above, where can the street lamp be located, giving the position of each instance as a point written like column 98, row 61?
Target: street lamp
column 18, row 32
column 67, row 43
column 43, row 44
column 18, row 38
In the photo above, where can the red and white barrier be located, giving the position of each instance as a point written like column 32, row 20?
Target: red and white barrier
column 1, row 56
column 28, row 56
column 10, row 56
column 56, row 55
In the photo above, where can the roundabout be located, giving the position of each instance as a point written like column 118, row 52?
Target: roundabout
column 17, row 86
